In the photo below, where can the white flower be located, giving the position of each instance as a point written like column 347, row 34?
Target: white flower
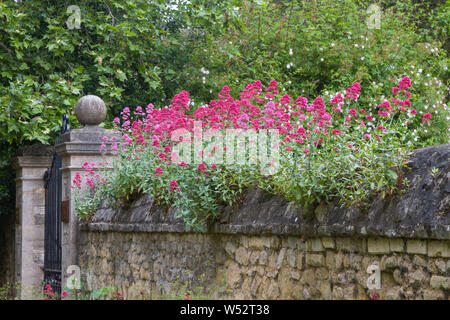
column 321, row 59
column 290, row 52
column 332, row 44
column 362, row 58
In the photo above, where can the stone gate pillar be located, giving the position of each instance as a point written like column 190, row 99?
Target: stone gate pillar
column 30, row 165
column 77, row 147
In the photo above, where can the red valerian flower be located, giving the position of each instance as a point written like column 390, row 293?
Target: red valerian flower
column 201, row 167
column 336, row 132
column 173, row 184
column 158, row 171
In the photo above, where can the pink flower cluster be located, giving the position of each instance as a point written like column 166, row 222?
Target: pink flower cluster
column 91, row 178
column 297, row 121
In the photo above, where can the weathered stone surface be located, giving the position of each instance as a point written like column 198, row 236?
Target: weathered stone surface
column 397, row 245
column 242, row 256
column 440, row 282
column 315, row 245
column 328, row 243
column 418, row 213
column 90, row 110
column 416, row 246
column 268, row 249
column 439, row 248
column 315, row 260
column 378, row 246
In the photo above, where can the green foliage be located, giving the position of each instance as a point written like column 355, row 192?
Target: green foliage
column 7, row 291
column 132, row 52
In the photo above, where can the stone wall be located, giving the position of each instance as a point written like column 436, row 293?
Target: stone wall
column 269, row 249
column 266, row 267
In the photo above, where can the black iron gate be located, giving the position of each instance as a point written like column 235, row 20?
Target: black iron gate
column 53, row 199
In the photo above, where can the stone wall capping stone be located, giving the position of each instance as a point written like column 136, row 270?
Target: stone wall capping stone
column 416, row 246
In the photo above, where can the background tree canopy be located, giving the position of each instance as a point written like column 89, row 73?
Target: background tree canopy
column 137, row 52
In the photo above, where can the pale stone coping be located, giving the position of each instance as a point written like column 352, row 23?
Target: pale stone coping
column 72, row 168
column 31, row 162
column 251, row 230
column 81, row 148
column 28, row 178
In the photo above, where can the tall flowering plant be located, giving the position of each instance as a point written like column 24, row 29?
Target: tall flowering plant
column 196, row 162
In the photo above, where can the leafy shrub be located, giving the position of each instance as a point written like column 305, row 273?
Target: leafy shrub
column 191, row 161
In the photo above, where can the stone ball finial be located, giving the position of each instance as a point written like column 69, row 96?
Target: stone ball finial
column 90, row 110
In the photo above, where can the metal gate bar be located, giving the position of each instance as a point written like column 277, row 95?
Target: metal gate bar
column 52, row 239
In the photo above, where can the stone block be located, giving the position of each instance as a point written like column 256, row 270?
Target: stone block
column 254, row 256
column 294, row 242
column 291, row 256
column 393, row 293
column 325, row 289
column 280, row 258
column 348, row 244
column 388, row 263
column 315, row 245
column 433, row 294
column 416, row 246
column 330, row 258
column 378, row 245
column 295, row 275
column 256, row 243
column 315, row 260
column 308, row 277
column 397, row 245
column 300, row 258
column 230, row 248
column 440, row 282
column 438, row 248
column 242, row 256
column 416, row 277
column 233, row 275
column 263, row 258
column 328, row 243
column 243, row 240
